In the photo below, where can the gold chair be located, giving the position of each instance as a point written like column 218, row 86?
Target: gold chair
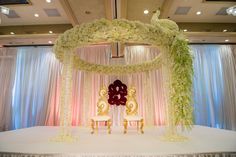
column 102, row 112
column 132, row 111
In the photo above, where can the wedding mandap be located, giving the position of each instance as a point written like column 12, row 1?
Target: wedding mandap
column 174, row 58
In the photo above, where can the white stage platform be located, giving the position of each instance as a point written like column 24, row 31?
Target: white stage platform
column 35, row 141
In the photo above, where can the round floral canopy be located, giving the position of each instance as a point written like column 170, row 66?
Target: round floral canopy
column 162, row 33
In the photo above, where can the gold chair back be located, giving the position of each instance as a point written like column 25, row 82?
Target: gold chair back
column 102, row 104
column 131, row 103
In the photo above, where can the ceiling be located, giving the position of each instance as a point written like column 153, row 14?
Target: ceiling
column 88, row 10
column 26, row 14
column 211, row 11
column 60, row 15
column 135, row 9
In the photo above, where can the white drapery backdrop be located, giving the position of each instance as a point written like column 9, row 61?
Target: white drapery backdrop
column 33, row 82
column 215, row 85
column 32, row 87
column 7, row 75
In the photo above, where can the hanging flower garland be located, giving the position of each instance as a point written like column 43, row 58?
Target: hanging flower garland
column 117, row 69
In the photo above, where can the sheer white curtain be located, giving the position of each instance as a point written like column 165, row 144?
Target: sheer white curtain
column 214, row 86
column 33, row 82
column 228, row 111
column 7, row 74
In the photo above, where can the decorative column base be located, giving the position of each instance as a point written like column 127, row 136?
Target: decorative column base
column 173, row 138
column 172, row 135
column 65, row 136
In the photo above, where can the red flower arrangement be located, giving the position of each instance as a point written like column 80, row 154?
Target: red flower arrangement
column 117, row 92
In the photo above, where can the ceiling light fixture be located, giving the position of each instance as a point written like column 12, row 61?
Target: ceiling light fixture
column 50, row 42
column 146, row 11
column 231, row 10
column 185, row 30
column 225, row 30
column 226, row 40
column 36, row 15
column 12, row 33
column 4, row 10
column 48, row 1
column 198, row 12
column 50, row 32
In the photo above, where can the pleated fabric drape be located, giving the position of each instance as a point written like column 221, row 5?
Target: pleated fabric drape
column 214, row 86
column 30, row 79
column 7, row 75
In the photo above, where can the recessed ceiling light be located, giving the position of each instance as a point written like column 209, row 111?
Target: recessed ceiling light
column 231, row 10
column 49, row 41
column 146, row 11
column 36, row 15
column 12, row 33
column 225, row 30
column 48, row 1
column 50, row 32
column 4, row 10
column 185, row 30
column 198, row 12
column 226, row 40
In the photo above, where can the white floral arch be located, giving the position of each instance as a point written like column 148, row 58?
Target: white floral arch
column 163, row 33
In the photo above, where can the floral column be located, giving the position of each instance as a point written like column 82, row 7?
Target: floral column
column 65, row 99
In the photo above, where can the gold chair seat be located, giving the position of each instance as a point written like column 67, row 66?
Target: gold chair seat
column 133, row 118
column 101, row 118
column 96, row 119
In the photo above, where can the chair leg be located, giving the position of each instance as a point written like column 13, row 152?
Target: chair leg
column 92, row 126
column 125, row 126
column 138, row 126
column 141, row 126
column 109, row 126
column 96, row 126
